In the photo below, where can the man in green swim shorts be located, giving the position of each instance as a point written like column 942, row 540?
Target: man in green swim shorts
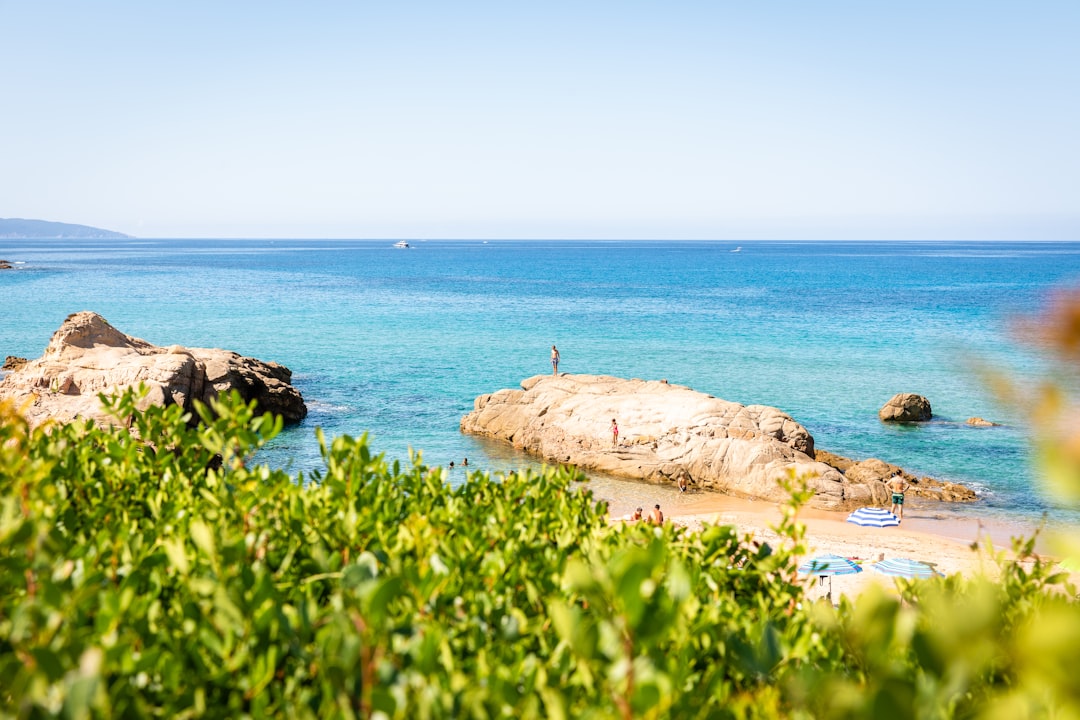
column 898, row 486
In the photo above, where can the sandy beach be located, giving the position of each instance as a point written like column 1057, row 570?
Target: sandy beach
column 946, row 543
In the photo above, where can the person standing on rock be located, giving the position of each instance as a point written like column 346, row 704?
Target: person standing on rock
column 554, row 360
column 655, row 516
column 614, row 433
column 898, row 486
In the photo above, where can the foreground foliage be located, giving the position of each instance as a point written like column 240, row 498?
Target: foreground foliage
column 162, row 574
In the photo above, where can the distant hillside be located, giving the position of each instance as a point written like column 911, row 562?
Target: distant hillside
column 19, row 228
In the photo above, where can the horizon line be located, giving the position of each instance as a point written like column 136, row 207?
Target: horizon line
column 546, row 239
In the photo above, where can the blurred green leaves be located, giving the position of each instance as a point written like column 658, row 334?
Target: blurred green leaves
column 161, row 572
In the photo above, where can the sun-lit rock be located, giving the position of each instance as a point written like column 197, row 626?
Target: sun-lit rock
column 88, row 356
column 906, row 407
column 666, row 432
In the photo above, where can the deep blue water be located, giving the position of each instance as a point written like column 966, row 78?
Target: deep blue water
column 399, row 342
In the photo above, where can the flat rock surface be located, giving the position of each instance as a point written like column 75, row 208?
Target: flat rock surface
column 88, row 356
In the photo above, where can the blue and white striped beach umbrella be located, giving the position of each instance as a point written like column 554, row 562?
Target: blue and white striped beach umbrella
column 905, row 568
column 873, row 517
column 829, row 565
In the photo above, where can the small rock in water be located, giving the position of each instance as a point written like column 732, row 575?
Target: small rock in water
column 906, row 407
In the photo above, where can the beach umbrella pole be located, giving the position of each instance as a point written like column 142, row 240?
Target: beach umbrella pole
column 821, row 581
column 826, row 566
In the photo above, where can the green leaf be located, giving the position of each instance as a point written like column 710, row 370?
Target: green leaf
column 177, row 554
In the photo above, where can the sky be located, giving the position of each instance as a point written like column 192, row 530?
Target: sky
column 653, row 120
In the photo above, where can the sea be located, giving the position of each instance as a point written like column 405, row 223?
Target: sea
column 397, row 343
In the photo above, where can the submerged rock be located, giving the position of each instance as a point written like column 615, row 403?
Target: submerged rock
column 88, row 356
column 667, row 432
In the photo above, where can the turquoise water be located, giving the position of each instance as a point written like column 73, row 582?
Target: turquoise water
column 399, row 342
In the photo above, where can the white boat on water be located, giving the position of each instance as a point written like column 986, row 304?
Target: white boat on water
column 738, row 249
column 402, row 245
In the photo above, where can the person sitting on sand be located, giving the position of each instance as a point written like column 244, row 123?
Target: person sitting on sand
column 614, row 433
column 636, row 515
column 554, row 360
column 898, row 485
column 655, row 516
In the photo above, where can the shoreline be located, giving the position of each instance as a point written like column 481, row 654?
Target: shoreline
column 919, row 520
column 921, row 516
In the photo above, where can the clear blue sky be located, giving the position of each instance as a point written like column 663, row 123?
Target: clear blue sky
column 727, row 120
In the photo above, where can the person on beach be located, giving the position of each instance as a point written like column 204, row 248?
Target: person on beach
column 554, row 360
column 682, row 483
column 614, row 433
column 636, row 515
column 898, row 486
column 655, row 516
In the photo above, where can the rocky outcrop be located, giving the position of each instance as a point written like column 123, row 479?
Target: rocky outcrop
column 88, row 356
column 13, row 363
column 906, row 407
column 5, row 265
column 874, row 474
column 980, row 422
column 667, row 432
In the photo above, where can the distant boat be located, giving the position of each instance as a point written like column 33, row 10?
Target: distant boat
column 402, row 244
column 738, row 249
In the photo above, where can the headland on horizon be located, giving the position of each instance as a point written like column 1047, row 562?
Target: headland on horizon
column 19, row 228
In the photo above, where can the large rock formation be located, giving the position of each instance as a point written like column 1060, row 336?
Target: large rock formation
column 906, row 407
column 874, row 474
column 666, row 432
column 88, row 356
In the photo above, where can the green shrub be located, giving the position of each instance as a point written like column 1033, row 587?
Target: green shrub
column 161, row 572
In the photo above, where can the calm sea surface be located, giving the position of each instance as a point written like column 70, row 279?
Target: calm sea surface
column 397, row 343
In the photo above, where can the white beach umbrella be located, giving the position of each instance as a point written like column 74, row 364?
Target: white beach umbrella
column 873, row 517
